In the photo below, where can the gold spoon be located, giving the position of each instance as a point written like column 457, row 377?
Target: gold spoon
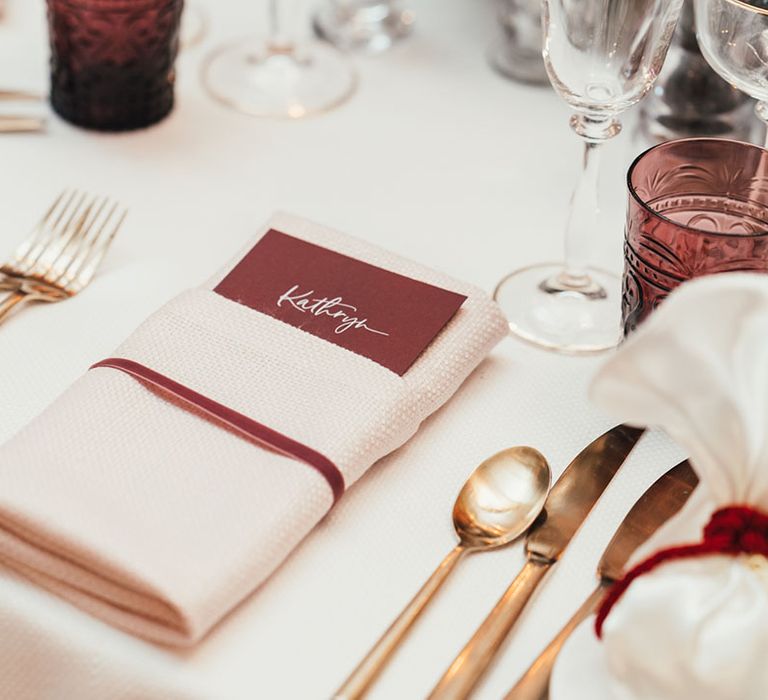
column 501, row 499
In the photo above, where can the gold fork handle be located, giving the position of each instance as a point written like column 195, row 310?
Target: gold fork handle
column 8, row 284
column 361, row 679
column 534, row 685
column 469, row 666
column 13, row 300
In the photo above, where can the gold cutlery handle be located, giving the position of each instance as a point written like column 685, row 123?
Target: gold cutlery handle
column 24, row 95
column 21, row 125
column 534, row 685
column 358, row 683
column 14, row 299
column 470, row 665
column 9, row 284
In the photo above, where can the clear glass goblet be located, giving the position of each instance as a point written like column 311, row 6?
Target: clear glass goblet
column 279, row 76
column 602, row 56
column 733, row 36
column 363, row 25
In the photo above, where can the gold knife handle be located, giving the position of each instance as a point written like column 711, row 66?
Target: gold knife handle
column 361, row 679
column 470, row 665
column 534, row 685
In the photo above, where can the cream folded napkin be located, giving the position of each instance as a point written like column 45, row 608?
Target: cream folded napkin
column 698, row 368
column 154, row 518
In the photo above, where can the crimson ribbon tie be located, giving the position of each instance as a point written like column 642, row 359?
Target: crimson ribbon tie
column 732, row 530
column 246, row 427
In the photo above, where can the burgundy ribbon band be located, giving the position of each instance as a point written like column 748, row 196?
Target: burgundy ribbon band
column 732, row 530
column 246, row 427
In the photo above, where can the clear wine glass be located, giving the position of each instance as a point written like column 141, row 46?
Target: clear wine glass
column 733, row 36
column 602, row 56
column 365, row 25
column 279, row 76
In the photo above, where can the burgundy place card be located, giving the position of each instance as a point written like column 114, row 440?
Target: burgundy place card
column 384, row 316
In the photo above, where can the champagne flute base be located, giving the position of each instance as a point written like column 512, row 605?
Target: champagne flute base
column 557, row 317
column 261, row 79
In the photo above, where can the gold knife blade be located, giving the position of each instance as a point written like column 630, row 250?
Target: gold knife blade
column 568, row 504
column 577, row 490
column 665, row 497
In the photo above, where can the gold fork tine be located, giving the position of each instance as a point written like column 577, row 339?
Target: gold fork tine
column 62, row 255
column 74, row 242
column 43, row 235
column 91, row 258
column 63, row 212
column 41, row 230
column 48, row 249
column 57, row 253
column 80, row 248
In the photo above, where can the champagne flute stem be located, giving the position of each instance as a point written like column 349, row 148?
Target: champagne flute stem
column 581, row 229
column 582, row 217
column 280, row 40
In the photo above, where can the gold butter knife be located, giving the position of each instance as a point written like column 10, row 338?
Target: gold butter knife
column 657, row 505
column 567, row 506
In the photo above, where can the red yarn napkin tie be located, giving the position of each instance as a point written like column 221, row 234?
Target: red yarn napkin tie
column 732, row 530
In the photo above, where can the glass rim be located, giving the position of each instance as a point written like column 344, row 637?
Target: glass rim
column 750, row 8
column 693, row 229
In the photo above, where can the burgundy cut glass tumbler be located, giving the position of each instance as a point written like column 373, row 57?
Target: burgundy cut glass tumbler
column 112, row 61
column 696, row 207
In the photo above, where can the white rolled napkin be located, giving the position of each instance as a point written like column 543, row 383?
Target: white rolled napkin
column 160, row 521
column 697, row 627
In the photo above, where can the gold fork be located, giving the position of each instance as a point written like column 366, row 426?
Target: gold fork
column 61, row 255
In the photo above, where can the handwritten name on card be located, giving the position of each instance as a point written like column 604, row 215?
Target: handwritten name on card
column 382, row 315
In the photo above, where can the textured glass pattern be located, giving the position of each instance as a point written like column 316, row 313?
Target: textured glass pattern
column 112, row 61
column 696, row 207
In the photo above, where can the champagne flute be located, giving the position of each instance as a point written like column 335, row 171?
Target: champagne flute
column 279, row 76
column 733, row 37
column 602, row 57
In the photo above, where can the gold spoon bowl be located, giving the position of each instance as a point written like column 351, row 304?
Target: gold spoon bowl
column 502, row 498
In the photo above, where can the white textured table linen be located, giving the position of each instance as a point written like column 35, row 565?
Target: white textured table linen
column 436, row 158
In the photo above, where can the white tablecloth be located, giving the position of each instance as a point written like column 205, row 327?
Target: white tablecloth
column 437, row 158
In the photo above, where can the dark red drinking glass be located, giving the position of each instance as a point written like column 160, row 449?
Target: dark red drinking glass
column 112, row 61
column 696, row 207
